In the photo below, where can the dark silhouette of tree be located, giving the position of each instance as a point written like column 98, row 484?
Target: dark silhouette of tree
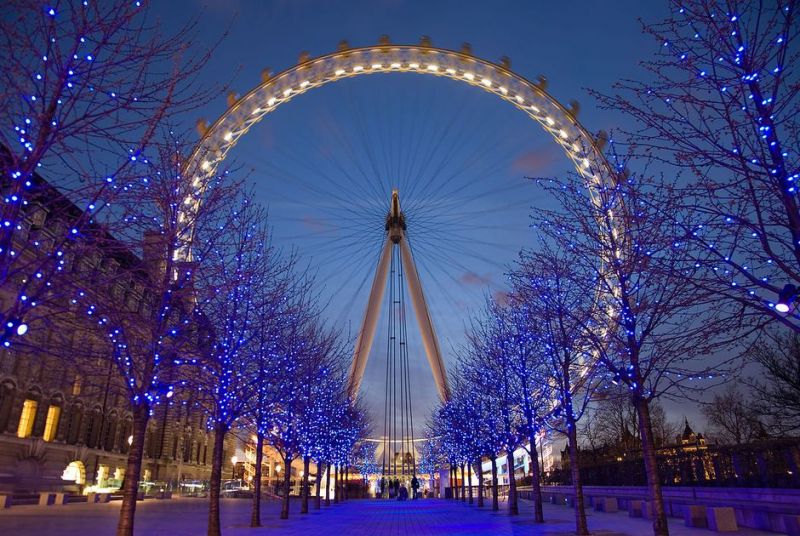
column 777, row 391
column 731, row 419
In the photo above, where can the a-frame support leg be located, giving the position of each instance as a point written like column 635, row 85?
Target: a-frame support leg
column 370, row 320
column 429, row 340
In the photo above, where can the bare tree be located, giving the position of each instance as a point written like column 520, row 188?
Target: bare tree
column 613, row 422
column 238, row 275
column 731, row 420
column 141, row 297
column 85, row 87
column 653, row 328
column 720, row 103
column 778, row 391
column 558, row 307
column 664, row 430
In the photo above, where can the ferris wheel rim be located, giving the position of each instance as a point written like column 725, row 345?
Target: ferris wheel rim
column 580, row 146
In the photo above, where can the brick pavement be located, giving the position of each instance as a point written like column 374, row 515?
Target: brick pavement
column 187, row 517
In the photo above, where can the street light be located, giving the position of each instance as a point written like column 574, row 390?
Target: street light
column 786, row 297
column 234, row 459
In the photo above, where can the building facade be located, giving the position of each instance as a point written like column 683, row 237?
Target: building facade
column 65, row 421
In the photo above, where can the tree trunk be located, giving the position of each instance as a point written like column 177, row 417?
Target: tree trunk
column 216, row 480
column 328, row 485
column 513, row 505
column 479, row 473
column 660, row 527
column 495, row 504
column 336, row 484
column 287, row 482
column 255, row 517
column 453, row 487
column 345, row 478
column 305, row 490
column 463, row 485
column 130, row 487
column 469, row 482
column 536, row 484
column 581, row 528
column 318, row 496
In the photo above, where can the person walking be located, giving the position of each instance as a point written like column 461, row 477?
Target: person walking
column 414, row 487
column 403, row 495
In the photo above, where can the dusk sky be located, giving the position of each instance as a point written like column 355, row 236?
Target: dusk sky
column 325, row 164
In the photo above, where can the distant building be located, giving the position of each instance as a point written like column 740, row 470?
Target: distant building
column 690, row 441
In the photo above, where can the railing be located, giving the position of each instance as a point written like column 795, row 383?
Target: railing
column 762, row 464
column 763, row 509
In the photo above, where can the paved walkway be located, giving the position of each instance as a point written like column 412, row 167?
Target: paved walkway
column 187, row 517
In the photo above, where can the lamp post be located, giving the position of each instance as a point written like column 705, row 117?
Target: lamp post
column 786, row 298
column 234, row 459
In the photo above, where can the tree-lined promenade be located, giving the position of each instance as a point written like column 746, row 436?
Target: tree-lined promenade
column 657, row 281
column 640, row 286
column 185, row 517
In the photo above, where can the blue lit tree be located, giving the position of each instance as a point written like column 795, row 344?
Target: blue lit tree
column 430, row 456
column 137, row 295
column 653, row 329
column 489, row 367
column 85, row 87
column 323, row 395
column 302, row 424
column 470, row 424
column 238, row 276
column 287, row 304
column 516, row 325
column 559, row 310
column 719, row 108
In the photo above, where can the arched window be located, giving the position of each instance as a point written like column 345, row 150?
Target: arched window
column 30, row 410
column 188, row 445
column 92, row 437
column 110, row 432
column 127, row 431
column 53, row 418
column 8, row 391
column 150, row 442
column 74, row 422
column 75, row 472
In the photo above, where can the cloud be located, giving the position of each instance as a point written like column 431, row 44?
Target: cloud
column 317, row 225
column 535, row 160
column 471, row 278
column 500, row 297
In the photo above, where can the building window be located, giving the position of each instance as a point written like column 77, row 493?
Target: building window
column 51, row 424
column 7, row 395
column 75, row 472
column 74, row 423
column 77, row 384
column 26, row 419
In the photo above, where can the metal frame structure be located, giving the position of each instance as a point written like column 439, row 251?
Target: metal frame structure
column 584, row 150
column 396, row 237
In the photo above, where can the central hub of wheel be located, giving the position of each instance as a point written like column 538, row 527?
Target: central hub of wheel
column 395, row 219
